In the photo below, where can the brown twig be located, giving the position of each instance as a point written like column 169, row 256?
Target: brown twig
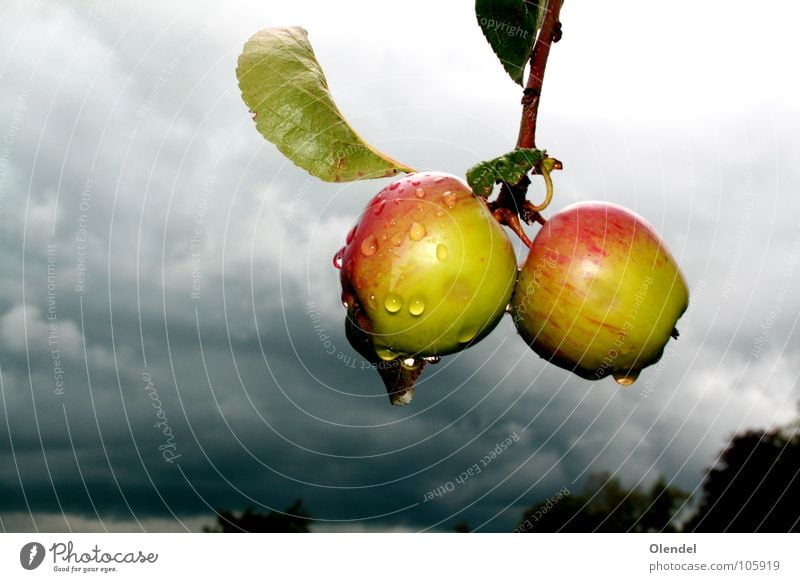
column 511, row 202
column 550, row 31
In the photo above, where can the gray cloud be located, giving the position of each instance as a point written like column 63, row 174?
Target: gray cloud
column 133, row 167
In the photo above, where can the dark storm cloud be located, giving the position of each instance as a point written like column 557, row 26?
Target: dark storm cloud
column 192, row 275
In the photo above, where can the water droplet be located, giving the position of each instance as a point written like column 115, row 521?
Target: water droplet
column 440, row 213
column 626, row 378
column 379, row 208
column 371, row 302
column 385, row 354
column 441, row 252
column 369, row 245
column 350, row 236
column 417, row 231
column 433, row 359
column 415, row 182
column 344, row 303
column 394, row 185
column 467, row 334
column 410, row 363
column 420, row 193
column 449, row 198
column 397, row 239
column 417, row 306
column 438, row 180
column 393, row 303
column 509, row 309
column 337, row 258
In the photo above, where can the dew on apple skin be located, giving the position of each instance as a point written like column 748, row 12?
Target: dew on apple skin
column 393, row 303
column 467, row 334
column 626, row 378
column 449, row 198
column 417, row 231
column 415, row 182
column 394, row 185
column 378, row 208
column 369, row 245
column 438, row 180
column 397, row 239
column 416, row 307
column 385, row 354
column 337, row 258
column 371, row 302
column 441, row 252
column 420, row 193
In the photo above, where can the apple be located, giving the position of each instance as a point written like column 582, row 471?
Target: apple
column 427, row 271
column 599, row 293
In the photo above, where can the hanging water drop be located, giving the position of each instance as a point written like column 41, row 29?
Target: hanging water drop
column 393, row 303
column 337, row 258
column 385, row 354
column 410, row 363
column 369, row 245
column 467, row 334
column 420, row 193
column 626, row 378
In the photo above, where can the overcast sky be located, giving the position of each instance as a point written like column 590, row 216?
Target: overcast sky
column 128, row 164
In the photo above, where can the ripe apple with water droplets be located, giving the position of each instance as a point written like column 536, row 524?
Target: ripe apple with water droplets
column 599, row 293
column 427, row 270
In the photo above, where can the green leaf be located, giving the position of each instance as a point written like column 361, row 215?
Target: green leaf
column 510, row 26
column 509, row 168
column 284, row 87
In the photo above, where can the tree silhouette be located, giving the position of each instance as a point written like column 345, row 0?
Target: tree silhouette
column 293, row 519
column 604, row 505
column 754, row 486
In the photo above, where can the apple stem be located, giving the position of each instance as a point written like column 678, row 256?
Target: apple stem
column 512, row 199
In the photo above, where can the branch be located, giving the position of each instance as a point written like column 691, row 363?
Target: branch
column 549, row 33
column 511, row 202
